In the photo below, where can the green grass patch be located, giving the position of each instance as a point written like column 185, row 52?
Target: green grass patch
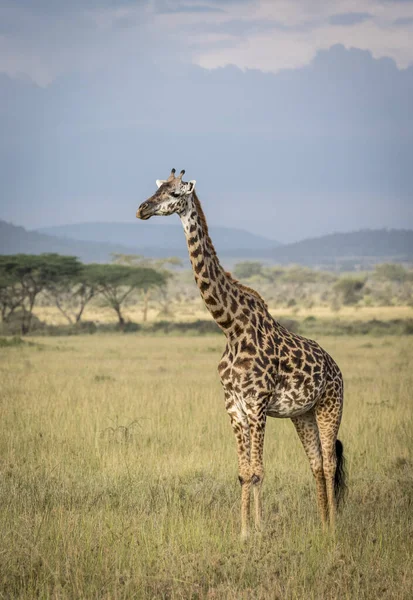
column 14, row 342
column 310, row 326
column 18, row 342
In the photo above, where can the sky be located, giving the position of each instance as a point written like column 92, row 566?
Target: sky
column 294, row 117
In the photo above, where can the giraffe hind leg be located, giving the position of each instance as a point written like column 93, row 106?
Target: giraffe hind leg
column 307, row 429
column 328, row 415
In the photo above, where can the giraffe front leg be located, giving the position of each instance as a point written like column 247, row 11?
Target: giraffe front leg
column 245, row 505
column 240, row 427
column 257, row 415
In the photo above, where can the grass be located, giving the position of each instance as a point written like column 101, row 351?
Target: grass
column 118, row 477
column 392, row 323
column 17, row 342
column 11, row 342
column 196, row 310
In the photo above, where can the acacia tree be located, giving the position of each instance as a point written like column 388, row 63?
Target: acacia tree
column 160, row 265
column 116, row 282
column 10, row 291
column 24, row 276
column 72, row 291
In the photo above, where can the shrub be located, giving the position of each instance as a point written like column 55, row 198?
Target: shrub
column 11, row 342
column 15, row 323
column 349, row 288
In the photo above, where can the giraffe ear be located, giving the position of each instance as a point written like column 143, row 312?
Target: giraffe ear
column 191, row 186
column 159, row 182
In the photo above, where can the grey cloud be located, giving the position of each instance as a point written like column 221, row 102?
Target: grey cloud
column 188, row 8
column 60, row 7
column 246, row 27
column 403, row 21
column 350, row 18
column 225, row 2
column 78, row 40
column 195, row 6
column 324, row 145
column 8, row 23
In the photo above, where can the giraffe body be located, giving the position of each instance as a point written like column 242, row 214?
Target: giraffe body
column 290, row 370
column 265, row 370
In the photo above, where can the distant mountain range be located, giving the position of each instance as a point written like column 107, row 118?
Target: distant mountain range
column 363, row 248
column 95, row 242
column 15, row 239
column 161, row 239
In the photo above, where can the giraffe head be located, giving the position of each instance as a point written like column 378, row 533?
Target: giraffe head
column 172, row 197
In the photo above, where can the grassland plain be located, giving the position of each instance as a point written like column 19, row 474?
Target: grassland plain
column 118, row 477
column 196, row 310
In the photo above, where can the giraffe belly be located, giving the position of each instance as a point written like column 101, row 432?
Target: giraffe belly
column 284, row 404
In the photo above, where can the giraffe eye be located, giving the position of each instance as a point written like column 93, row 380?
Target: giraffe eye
column 175, row 194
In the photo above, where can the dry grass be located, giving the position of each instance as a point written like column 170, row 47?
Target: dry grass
column 119, row 479
column 196, row 310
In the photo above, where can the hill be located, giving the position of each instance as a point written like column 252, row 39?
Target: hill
column 162, row 239
column 363, row 248
column 14, row 239
column 95, row 242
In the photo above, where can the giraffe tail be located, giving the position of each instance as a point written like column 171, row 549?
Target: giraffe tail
column 340, row 485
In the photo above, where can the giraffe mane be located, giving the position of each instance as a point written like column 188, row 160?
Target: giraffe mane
column 202, row 217
column 241, row 286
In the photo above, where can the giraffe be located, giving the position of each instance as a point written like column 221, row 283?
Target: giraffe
column 265, row 370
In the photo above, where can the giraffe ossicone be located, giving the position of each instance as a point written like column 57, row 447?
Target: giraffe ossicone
column 265, row 370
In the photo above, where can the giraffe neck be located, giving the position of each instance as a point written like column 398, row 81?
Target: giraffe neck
column 218, row 290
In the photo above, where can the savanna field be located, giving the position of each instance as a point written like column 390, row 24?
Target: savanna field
column 119, row 476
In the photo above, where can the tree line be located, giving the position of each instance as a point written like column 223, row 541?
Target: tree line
column 66, row 283
column 70, row 285
column 387, row 284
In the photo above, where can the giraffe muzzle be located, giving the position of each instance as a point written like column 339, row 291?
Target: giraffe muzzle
column 143, row 211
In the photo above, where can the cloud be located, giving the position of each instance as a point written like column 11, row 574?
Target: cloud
column 297, row 30
column 195, row 6
column 350, row 18
column 63, row 7
column 46, row 38
column 241, row 27
column 121, row 90
column 403, row 21
column 320, row 148
column 165, row 7
column 44, row 46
